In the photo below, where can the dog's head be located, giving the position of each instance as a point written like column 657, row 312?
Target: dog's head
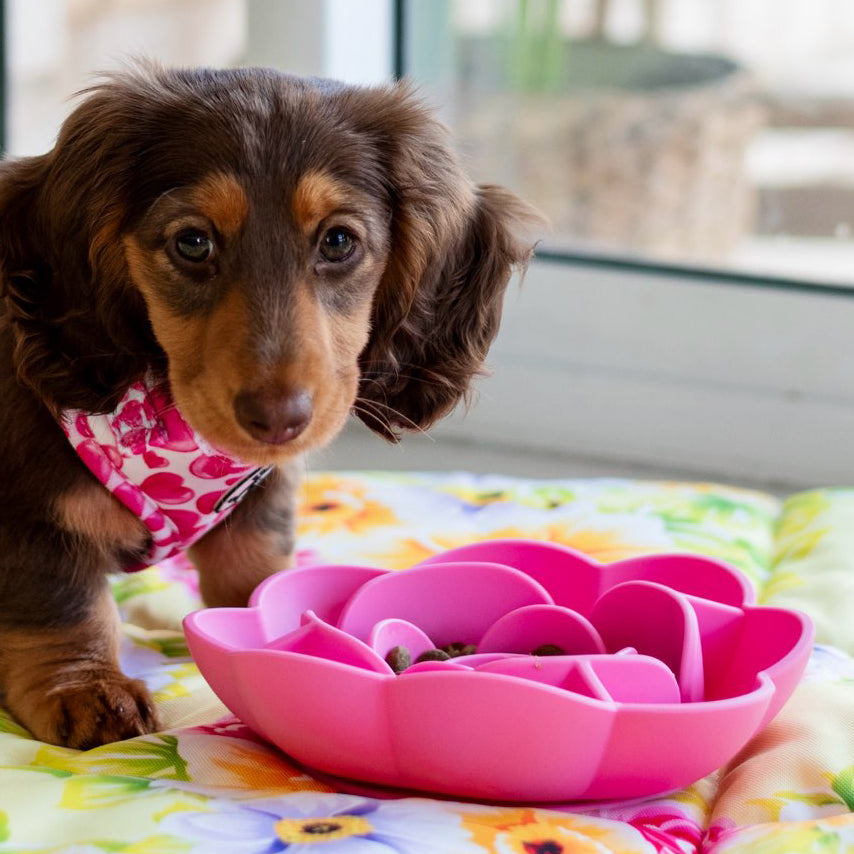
column 286, row 249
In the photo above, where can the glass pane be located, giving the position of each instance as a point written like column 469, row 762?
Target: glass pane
column 713, row 133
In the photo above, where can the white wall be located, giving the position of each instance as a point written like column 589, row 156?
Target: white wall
column 744, row 383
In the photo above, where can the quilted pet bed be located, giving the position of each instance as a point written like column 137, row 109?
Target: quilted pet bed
column 206, row 784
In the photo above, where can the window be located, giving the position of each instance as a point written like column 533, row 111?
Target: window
column 713, row 133
column 692, row 309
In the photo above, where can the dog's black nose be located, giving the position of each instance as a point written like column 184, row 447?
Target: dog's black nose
column 273, row 418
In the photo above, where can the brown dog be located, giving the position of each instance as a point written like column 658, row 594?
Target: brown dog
column 281, row 251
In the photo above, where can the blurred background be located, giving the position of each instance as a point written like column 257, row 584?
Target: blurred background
column 691, row 312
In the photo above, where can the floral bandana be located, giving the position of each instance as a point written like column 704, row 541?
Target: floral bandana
column 160, row 468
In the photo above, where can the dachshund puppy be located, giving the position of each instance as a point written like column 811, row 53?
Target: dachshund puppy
column 211, row 270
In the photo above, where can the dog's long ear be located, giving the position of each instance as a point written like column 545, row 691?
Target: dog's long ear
column 454, row 246
column 63, row 280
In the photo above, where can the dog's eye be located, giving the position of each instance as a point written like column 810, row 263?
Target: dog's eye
column 194, row 246
column 337, row 244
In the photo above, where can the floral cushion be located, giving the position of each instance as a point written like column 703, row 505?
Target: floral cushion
column 208, row 784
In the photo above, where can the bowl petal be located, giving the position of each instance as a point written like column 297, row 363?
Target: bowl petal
column 320, row 640
column 441, row 666
column 212, row 635
column 479, row 738
column 635, row 679
column 451, row 603
column 532, row 626
column 323, row 713
column 230, row 628
column 387, row 634
column 571, row 578
column 696, row 575
column 623, row 679
column 284, row 597
column 657, row 622
column 774, row 643
column 657, row 748
column 577, row 581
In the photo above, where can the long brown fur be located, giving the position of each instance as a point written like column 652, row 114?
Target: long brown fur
column 93, row 297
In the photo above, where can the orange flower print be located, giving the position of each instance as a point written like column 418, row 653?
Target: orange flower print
column 406, row 552
column 529, row 831
column 329, row 504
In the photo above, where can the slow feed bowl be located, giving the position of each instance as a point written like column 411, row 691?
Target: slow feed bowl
column 647, row 674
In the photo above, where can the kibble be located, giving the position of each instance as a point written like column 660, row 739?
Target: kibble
column 455, row 650
column 548, row 649
column 432, row 655
column 398, row 658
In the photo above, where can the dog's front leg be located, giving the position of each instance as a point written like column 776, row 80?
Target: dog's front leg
column 61, row 679
column 255, row 541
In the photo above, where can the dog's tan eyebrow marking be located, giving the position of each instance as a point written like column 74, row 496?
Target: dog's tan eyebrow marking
column 316, row 196
column 222, row 199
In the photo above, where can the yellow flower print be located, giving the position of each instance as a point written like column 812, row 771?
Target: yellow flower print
column 406, row 552
column 832, row 835
column 479, row 497
column 175, row 687
column 779, row 584
column 800, row 511
column 796, row 534
column 604, row 546
column 329, row 504
column 315, row 830
column 156, row 845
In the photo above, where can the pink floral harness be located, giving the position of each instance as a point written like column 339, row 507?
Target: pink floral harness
column 160, row 468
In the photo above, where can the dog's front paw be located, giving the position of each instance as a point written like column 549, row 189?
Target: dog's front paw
column 109, row 707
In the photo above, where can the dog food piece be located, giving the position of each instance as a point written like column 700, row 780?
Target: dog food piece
column 548, row 649
column 455, row 650
column 398, row 658
column 432, row 655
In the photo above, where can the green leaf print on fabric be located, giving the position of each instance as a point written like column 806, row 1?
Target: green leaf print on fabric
column 551, row 497
column 155, row 756
column 687, row 503
column 54, row 772
column 843, row 785
column 157, row 845
column 833, row 835
column 4, row 826
column 795, row 532
column 132, row 584
column 84, row 792
column 751, row 557
column 145, row 758
column 168, row 644
column 10, row 725
column 153, row 845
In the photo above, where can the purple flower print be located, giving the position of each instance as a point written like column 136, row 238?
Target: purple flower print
column 317, row 823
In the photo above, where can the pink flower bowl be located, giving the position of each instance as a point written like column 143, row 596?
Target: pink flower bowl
column 668, row 670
